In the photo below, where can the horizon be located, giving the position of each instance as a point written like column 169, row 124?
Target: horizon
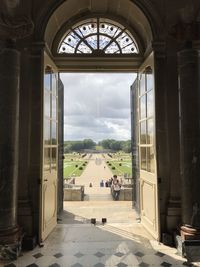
column 120, row 140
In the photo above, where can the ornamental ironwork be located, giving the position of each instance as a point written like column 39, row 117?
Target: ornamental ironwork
column 98, row 36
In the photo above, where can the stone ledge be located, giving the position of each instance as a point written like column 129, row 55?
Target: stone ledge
column 74, row 194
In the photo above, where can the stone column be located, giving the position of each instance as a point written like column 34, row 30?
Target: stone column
column 10, row 236
column 189, row 108
column 12, row 27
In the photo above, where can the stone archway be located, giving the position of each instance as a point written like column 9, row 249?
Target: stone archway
column 147, row 27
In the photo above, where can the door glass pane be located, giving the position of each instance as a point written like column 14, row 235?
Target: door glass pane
column 143, row 107
column 47, row 132
column 47, row 159
column 47, row 104
column 47, row 81
column 54, row 158
column 150, row 160
column 143, row 132
column 53, row 132
column 149, row 77
column 54, row 111
column 54, row 84
column 142, row 84
column 150, row 103
column 143, row 157
column 150, row 131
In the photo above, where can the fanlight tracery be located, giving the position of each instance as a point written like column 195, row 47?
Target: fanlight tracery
column 98, row 36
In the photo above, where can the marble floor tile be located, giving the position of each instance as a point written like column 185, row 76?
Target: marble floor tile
column 114, row 244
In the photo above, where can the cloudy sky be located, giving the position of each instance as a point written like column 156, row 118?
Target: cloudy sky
column 97, row 106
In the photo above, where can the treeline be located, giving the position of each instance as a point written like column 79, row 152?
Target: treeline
column 78, row 146
column 111, row 144
column 116, row 145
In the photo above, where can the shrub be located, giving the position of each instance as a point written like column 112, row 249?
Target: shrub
column 76, row 165
column 113, row 168
column 120, row 164
column 80, row 168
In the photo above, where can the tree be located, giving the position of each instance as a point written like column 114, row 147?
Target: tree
column 88, row 144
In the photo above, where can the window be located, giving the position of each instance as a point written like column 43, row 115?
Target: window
column 50, row 120
column 146, row 121
column 98, row 36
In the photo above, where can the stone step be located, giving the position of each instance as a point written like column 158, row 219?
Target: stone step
column 98, row 197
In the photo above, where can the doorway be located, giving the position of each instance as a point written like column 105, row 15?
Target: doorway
column 98, row 130
column 147, row 190
column 100, row 42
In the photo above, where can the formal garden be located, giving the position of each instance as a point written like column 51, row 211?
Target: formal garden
column 120, row 164
column 74, row 165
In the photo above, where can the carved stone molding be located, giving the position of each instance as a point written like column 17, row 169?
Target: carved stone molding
column 159, row 48
column 15, row 27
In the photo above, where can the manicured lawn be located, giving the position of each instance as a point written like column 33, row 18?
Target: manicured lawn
column 72, row 163
column 121, row 162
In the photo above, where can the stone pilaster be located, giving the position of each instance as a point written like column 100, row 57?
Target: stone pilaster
column 36, row 124
column 189, row 108
column 159, row 48
column 173, row 215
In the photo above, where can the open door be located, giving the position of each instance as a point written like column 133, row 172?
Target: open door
column 148, row 193
column 48, row 209
column 134, row 146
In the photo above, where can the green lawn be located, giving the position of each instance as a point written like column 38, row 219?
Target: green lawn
column 121, row 162
column 72, row 163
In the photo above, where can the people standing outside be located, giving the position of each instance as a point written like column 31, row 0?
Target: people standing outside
column 102, row 183
column 116, row 186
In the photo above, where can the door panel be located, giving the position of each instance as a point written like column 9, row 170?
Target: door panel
column 147, row 155
column 48, row 212
column 134, row 145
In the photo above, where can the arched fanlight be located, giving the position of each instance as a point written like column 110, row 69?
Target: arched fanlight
column 98, row 36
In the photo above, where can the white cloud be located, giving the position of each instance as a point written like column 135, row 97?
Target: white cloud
column 97, row 105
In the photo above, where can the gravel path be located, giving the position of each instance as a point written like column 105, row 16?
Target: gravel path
column 95, row 172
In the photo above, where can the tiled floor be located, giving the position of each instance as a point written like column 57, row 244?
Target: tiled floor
column 77, row 243
column 88, row 245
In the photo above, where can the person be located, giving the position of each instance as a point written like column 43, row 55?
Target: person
column 116, row 186
column 90, row 185
column 102, row 183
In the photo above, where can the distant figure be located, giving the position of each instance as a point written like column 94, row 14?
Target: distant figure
column 116, row 187
column 90, row 185
column 111, row 180
column 107, row 184
column 104, row 167
column 102, row 184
